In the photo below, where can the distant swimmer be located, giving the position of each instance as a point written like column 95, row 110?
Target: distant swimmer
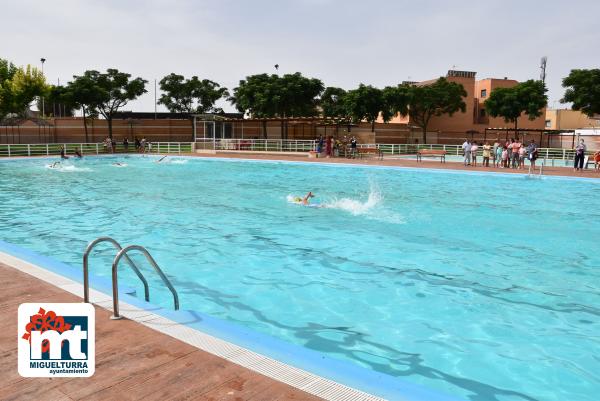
column 161, row 159
column 78, row 154
column 53, row 165
column 62, row 153
column 305, row 201
column 119, row 164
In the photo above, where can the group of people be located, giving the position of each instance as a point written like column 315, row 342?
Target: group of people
column 511, row 154
column 141, row 146
column 335, row 147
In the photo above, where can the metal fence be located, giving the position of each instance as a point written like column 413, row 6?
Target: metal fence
column 261, row 145
column 12, row 150
column 551, row 156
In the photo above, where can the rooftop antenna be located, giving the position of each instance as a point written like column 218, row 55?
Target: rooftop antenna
column 543, row 68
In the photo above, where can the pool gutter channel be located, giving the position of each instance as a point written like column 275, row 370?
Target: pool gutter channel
column 292, row 376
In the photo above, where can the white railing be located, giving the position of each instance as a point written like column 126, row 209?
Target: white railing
column 550, row 156
column 256, row 145
column 49, row 149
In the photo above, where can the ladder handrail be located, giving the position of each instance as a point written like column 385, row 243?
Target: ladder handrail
column 123, row 253
column 88, row 250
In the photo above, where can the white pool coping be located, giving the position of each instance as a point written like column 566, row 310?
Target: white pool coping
column 292, row 376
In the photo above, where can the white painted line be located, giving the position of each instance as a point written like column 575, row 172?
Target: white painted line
column 292, row 376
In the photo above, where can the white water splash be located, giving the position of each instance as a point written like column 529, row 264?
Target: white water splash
column 67, row 168
column 119, row 165
column 357, row 207
column 178, row 161
column 371, row 208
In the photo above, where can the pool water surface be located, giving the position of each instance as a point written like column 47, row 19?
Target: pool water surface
column 482, row 286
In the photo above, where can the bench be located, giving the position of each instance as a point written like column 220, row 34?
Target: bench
column 366, row 152
column 431, row 153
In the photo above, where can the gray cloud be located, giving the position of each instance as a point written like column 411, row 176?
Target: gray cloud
column 341, row 42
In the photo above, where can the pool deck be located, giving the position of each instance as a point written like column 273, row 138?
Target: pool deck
column 397, row 162
column 132, row 361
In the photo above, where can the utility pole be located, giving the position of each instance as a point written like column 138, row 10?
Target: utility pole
column 543, row 68
column 43, row 60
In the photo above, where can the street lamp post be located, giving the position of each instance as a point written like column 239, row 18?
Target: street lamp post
column 43, row 60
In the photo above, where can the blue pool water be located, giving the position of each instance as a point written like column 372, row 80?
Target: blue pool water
column 484, row 287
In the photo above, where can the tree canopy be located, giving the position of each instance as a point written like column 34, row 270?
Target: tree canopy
column 265, row 96
column 436, row 99
column 528, row 98
column 84, row 93
column 333, row 104
column 192, row 95
column 364, row 103
column 58, row 102
column 583, row 90
column 113, row 90
column 19, row 86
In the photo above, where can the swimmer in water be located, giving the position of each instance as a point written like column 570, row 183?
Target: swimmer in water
column 304, row 200
column 78, row 154
column 161, row 159
column 62, row 153
column 53, row 165
column 118, row 164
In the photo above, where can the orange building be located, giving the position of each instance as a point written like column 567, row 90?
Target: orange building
column 474, row 121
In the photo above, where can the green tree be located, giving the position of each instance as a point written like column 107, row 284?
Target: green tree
column 190, row 96
column 365, row 103
column 333, row 104
column 84, row 93
column 395, row 101
column 441, row 97
column 266, row 96
column 19, row 87
column 583, row 90
column 528, row 98
column 114, row 90
column 7, row 72
column 58, row 102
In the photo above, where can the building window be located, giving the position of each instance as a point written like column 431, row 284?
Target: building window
column 548, row 123
column 483, row 93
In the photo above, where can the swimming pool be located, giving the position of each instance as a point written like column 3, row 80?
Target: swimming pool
column 485, row 287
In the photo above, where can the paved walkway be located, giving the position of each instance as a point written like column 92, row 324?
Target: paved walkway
column 390, row 161
column 133, row 362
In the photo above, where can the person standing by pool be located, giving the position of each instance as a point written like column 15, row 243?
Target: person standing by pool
column 466, row 146
column 328, row 147
column 514, row 153
column 532, row 154
column 143, row 145
column 495, row 151
column 486, row 154
column 137, row 144
column 126, row 144
column 522, row 157
column 505, row 157
column 509, row 148
column 320, row 145
column 580, row 155
column 474, row 149
column 353, row 147
column 498, row 158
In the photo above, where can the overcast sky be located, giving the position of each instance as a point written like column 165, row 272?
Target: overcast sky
column 342, row 42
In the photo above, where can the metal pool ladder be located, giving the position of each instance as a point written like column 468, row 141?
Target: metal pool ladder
column 122, row 253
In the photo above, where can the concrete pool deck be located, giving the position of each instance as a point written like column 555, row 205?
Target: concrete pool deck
column 132, row 361
column 394, row 161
